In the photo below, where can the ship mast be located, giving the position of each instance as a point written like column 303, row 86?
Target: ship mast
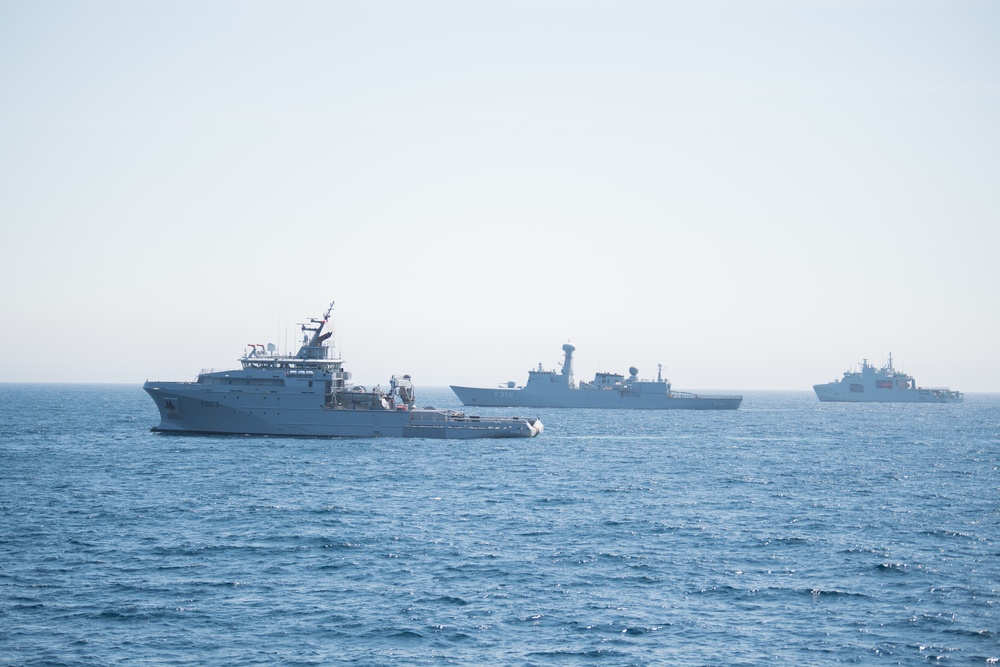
column 567, row 367
column 311, row 347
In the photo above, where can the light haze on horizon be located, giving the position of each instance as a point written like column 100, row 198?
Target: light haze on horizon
column 756, row 195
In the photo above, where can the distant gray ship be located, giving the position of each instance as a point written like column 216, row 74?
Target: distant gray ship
column 309, row 395
column 882, row 385
column 551, row 389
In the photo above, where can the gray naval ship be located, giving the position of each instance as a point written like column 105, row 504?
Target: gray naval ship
column 309, row 395
column 882, row 385
column 551, row 389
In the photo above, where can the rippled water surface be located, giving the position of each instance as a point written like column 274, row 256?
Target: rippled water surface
column 789, row 532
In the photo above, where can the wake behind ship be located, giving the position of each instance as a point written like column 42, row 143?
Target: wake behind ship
column 551, row 389
column 309, row 394
column 882, row 385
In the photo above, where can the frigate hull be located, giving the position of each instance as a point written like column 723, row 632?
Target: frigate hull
column 592, row 398
column 558, row 389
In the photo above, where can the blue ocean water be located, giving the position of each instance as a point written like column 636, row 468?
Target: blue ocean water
column 789, row 532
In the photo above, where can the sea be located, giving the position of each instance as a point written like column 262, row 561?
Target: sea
column 788, row 532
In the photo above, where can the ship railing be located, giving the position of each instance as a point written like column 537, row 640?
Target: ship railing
column 432, row 416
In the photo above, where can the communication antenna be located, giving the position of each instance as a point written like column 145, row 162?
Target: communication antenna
column 285, row 326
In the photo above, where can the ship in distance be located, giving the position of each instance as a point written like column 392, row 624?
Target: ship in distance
column 558, row 389
column 882, row 385
column 309, row 394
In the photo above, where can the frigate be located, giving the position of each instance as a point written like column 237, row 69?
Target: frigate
column 309, row 394
column 882, row 385
column 558, row 389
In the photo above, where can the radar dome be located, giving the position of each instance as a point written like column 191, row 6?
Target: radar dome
column 271, row 347
column 633, row 370
column 568, row 348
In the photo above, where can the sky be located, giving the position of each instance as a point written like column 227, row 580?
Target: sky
column 756, row 195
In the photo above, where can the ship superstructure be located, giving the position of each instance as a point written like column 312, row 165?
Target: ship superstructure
column 882, row 385
column 558, row 389
column 310, row 394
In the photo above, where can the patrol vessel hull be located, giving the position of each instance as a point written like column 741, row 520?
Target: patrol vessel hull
column 882, row 385
column 835, row 393
column 187, row 409
column 309, row 394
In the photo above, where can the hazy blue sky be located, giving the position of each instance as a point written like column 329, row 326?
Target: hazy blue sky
column 755, row 194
